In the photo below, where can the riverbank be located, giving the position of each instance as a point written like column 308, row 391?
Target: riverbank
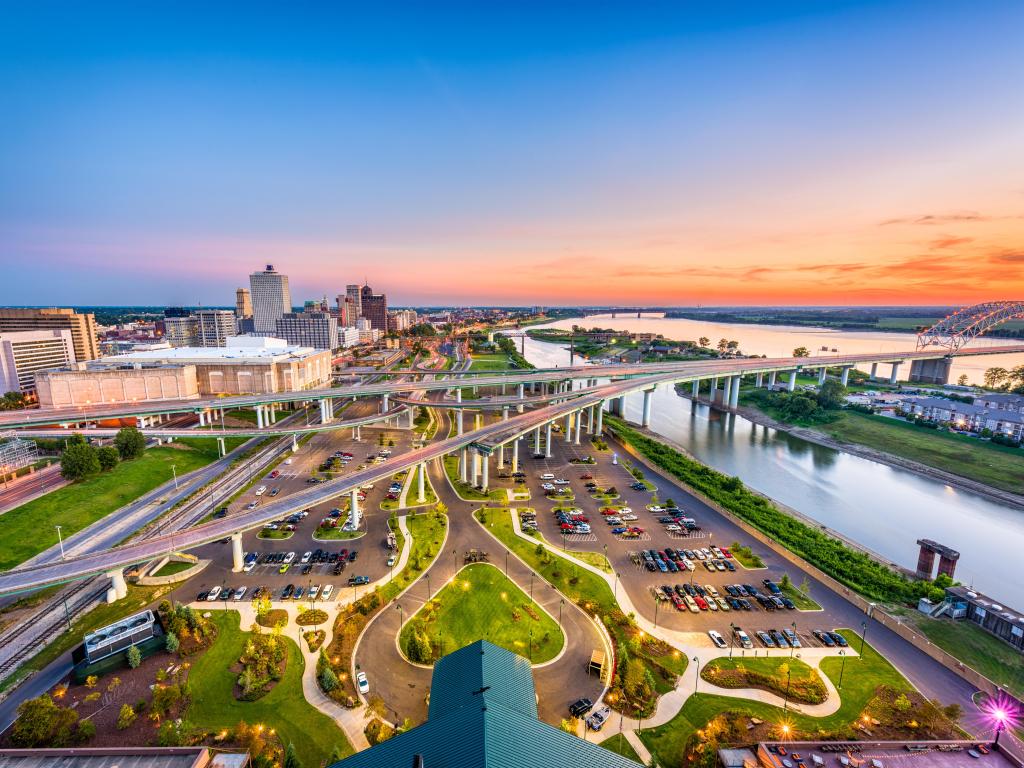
column 812, row 435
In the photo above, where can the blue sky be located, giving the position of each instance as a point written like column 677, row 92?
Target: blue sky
column 158, row 153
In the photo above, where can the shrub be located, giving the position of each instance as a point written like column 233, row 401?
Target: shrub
column 86, row 731
column 43, row 723
column 108, row 457
column 130, row 443
column 125, row 717
column 78, row 462
column 171, row 644
column 134, row 657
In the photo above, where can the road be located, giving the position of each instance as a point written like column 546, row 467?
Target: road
column 27, row 487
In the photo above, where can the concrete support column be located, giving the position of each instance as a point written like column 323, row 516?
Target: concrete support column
column 504, row 413
column 202, row 419
column 791, row 384
column 359, row 432
column 894, row 376
column 600, row 419
column 771, row 378
column 237, row 556
column 874, row 371
column 354, row 502
column 522, row 394
column 515, row 455
column 501, row 456
column 645, row 419
column 458, row 422
column 568, row 427
column 734, row 397
column 464, row 466
column 846, row 375
column 547, row 443
column 411, row 413
column 421, row 477
column 536, row 440
column 714, row 389
column 485, row 462
column 760, row 380
column 590, row 419
column 579, row 426
column 476, row 467
column 622, row 406
column 118, row 588
column 220, row 446
column 273, row 413
column 821, row 376
column 326, row 410
column 385, row 403
column 695, row 389
column 295, row 443
column 260, row 421
column 727, row 391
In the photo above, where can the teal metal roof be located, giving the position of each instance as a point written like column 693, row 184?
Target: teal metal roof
column 494, row 728
column 482, row 671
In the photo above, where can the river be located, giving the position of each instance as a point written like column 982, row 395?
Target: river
column 884, row 508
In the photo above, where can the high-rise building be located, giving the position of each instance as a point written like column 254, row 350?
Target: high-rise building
column 82, row 326
column 22, row 353
column 308, row 329
column 180, row 330
column 374, row 308
column 243, row 303
column 271, row 298
column 354, row 295
column 214, row 327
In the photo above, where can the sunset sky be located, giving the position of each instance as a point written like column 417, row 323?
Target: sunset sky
column 586, row 153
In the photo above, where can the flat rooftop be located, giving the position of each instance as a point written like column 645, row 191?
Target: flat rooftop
column 141, row 757
column 885, row 754
column 990, row 604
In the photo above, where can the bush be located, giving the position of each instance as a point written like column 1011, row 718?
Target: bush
column 130, row 443
column 108, row 457
column 78, row 462
column 327, row 679
column 311, row 617
column 86, row 731
column 134, row 657
column 171, row 644
column 125, row 717
column 43, row 723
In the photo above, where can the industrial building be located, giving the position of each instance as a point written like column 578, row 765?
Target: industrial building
column 963, row 603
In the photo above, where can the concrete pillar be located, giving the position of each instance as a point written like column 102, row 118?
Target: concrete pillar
column 515, row 455
column 140, row 422
column 260, row 422
column 326, row 410
column 760, row 380
column 421, row 494
column 478, row 421
column 485, row 462
column 464, row 466
column 893, row 377
column 221, row 449
column 476, row 466
column 504, row 414
column 695, row 389
column 600, row 419
column 547, row 443
column 771, row 378
column 727, row 391
column 846, row 375
column 874, row 371
column 202, row 419
column 590, row 420
column 791, row 385
column 458, row 422
column 579, row 426
column 411, row 413
column 118, row 588
column 734, row 397
column 568, row 427
column 714, row 389
column 521, row 393
column 821, row 376
column 645, row 420
column 385, row 403
column 237, row 556
column 501, row 456
column 359, row 432
column 536, row 440
column 295, row 443
column 273, row 413
column 354, row 502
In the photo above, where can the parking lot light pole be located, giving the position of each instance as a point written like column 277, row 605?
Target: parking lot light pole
column 506, row 563
column 615, row 588
column 60, row 540
column 561, row 602
column 792, row 649
column 401, row 616
column 842, row 668
column 732, row 637
column 657, row 602
column 863, row 634
column 696, row 678
column 427, row 576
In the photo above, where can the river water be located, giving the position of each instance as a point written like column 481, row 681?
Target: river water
column 883, row 508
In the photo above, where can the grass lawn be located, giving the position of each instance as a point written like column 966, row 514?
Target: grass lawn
column 466, row 491
column 173, row 567
column 278, row 535
column 336, row 534
column 29, row 529
column 284, row 709
column 996, row 465
column 427, row 530
column 802, row 600
column 976, row 648
column 620, row 746
column 242, row 414
column 745, row 556
column 862, row 678
column 490, row 362
column 481, row 603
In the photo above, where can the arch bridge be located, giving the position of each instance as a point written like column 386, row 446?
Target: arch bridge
column 960, row 327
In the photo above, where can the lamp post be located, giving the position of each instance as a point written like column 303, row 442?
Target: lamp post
column 863, row 634
column 427, row 576
column 401, row 616
column 657, row 602
column 506, row 563
column 174, row 473
column 789, row 676
column 531, row 585
column 792, row 648
column 561, row 602
column 696, row 678
column 60, row 540
column 842, row 668
column 732, row 637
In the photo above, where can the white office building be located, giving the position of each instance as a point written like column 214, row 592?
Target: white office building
column 271, row 299
column 22, row 353
column 214, row 326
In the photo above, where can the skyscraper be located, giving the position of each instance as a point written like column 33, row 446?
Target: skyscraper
column 375, row 308
column 355, row 304
column 82, row 326
column 243, row 303
column 214, row 326
column 271, row 299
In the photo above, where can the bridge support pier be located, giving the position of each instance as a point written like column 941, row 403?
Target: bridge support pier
column 272, row 409
column 893, row 377
column 821, row 376
column 501, row 456
column 464, row 465
column 458, row 413
column 220, row 446
column 791, row 384
column 295, row 443
column 547, row 443
column 515, row 455
column 476, row 467
column 202, row 418
column 326, row 410
column 874, row 371
column 734, row 397
column 845, row 380
column 411, row 412
column 727, row 392
column 536, row 440
column 504, row 413
column 695, row 389
column 357, row 433
column 385, row 403
column 759, row 382
column 522, row 394
column 118, row 587
column 579, row 426
column 237, row 556
column 485, row 462
column 260, row 421
column 772, row 376
column 645, row 420
column 421, row 477
column 354, row 503
column 599, row 429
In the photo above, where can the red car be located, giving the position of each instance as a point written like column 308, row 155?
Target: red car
column 635, row 529
column 726, row 552
column 586, row 477
column 274, row 474
column 701, row 602
column 608, row 512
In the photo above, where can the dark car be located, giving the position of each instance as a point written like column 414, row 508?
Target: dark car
column 825, row 638
column 580, row 707
column 354, row 581
column 838, row 639
column 352, row 555
column 287, row 591
column 203, row 595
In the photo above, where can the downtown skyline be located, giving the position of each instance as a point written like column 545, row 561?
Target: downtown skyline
column 867, row 153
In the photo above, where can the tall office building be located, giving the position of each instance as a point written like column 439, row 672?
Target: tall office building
column 374, row 308
column 308, row 329
column 22, row 353
column 82, row 326
column 214, row 326
column 243, row 303
column 271, row 299
column 181, row 328
column 354, row 299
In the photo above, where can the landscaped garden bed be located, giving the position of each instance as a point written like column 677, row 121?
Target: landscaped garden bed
column 789, row 678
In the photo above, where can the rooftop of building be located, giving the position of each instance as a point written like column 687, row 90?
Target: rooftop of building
column 986, row 602
column 121, row 757
column 884, row 754
column 972, row 409
column 483, row 714
column 238, row 349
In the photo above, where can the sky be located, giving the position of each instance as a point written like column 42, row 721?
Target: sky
column 514, row 153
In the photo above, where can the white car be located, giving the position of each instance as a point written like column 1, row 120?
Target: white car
column 289, row 557
column 249, row 566
column 655, row 508
column 261, row 490
column 547, row 487
column 313, row 592
column 673, row 528
column 214, row 593
column 252, row 505
column 690, row 565
column 328, row 591
column 626, row 511
column 362, row 683
column 629, row 518
column 717, row 639
column 391, row 560
column 306, row 557
column 561, row 481
column 367, row 487
column 547, row 476
column 711, row 590
column 240, row 592
column 699, row 554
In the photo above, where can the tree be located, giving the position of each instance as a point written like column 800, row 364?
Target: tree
column 125, row 717
column 86, row 731
column 962, row 380
column 77, row 438
column 703, row 341
column 996, row 378
column 291, row 760
column 328, row 680
column 134, row 657
column 723, row 345
column 570, row 725
column 130, row 443
column 78, row 462
column 801, row 352
column 831, row 394
column 43, row 723
column 12, row 401
column 108, row 457
column 171, row 644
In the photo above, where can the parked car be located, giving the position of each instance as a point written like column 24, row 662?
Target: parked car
column 214, row 594
column 742, row 638
column 362, row 683
column 717, row 639
column 596, row 720
column 579, row 707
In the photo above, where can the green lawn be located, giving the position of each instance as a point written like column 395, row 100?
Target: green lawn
column 490, row 362
column 996, row 465
column 620, row 746
column 976, row 648
column 29, row 529
column 428, row 531
column 284, row 709
column 861, row 679
column 466, row 491
column 336, row 534
column 172, row 567
column 803, row 683
column 745, row 556
column 802, row 600
column 482, row 604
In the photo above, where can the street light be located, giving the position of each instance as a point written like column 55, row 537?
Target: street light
column 60, row 541
column 863, row 634
column 732, row 637
column 174, row 473
column 657, row 602
column 506, row 563
column 792, row 648
column 789, row 675
column 401, row 616
column 696, row 678
column 561, row 602
column 842, row 668
column 615, row 588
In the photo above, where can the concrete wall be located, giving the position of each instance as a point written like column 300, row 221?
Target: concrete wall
column 72, row 388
